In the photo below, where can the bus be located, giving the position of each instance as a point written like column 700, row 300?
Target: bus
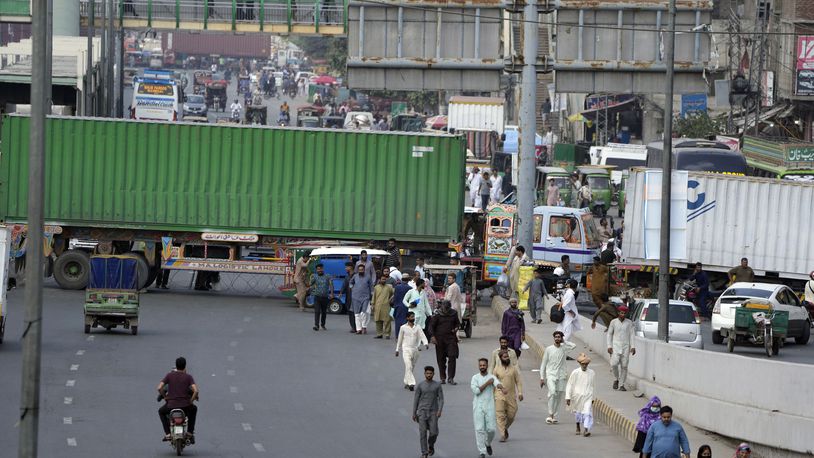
column 156, row 97
column 779, row 158
column 699, row 155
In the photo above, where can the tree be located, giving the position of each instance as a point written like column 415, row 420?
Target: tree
column 697, row 125
column 332, row 49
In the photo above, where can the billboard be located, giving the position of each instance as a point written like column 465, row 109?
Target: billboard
column 804, row 81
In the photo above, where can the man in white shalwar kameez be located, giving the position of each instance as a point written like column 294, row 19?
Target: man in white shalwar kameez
column 552, row 374
column 620, row 347
column 410, row 337
column 579, row 394
column 570, row 324
column 417, row 302
column 483, row 386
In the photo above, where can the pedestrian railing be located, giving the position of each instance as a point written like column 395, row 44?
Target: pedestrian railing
column 282, row 16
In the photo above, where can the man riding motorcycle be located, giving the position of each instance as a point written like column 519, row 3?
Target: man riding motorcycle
column 179, row 390
column 236, row 108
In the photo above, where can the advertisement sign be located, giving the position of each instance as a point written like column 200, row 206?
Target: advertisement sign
column 767, row 89
column 805, row 82
column 691, row 103
column 805, row 52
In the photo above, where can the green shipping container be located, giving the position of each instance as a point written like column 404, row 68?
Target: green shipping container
column 304, row 183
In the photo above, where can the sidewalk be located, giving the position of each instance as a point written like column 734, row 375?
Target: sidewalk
column 619, row 410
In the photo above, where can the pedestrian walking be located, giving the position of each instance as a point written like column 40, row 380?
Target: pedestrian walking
column 607, row 312
column 648, row 415
column 370, row 269
column 416, row 301
column 537, row 295
column 474, row 180
column 494, row 360
column 346, row 290
column 322, row 289
column 552, row 374
column 574, row 186
column 428, row 404
column 579, row 394
column 506, row 400
column 742, row 273
column 396, row 275
column 512, row 268
column 419, row 268
column 599, row 281
column 701, row 289
column 362, row 289
column 388, row 279
column 382, row 299
column 483, row 386
column 162, row 279
column 705, row 451
column 585, row 195
column 399, row 309
column 410, row 337
column 620, row 347
column 666, row 438
column 301, row 280
column 393, row 258
column 484, row 191
column 445, row 325
column 743, row 451
column 454, row 296
column 513, row 326
column 570, row 324
column 552, row 193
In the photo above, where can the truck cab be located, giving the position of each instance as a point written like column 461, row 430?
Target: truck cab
column 562, row 231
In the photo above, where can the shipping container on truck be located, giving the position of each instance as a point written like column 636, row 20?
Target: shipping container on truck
column 729, row 218
column 482, row 121
column 202, row 197
column 185, row 44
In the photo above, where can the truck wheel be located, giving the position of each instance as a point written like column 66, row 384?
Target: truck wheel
column 143, row 269
column 87, row 329
column 717, row 338
column 154, row 271
column 335, row 307
column 72, row 269
column 134, row 330
column 803, row 339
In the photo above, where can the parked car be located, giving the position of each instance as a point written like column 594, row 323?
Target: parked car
column 685, row 323
column 781, row 297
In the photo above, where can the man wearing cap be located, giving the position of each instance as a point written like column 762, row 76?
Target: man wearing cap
column 552, row 373
column 579, row 394
column 620, row 346
column 553, row 193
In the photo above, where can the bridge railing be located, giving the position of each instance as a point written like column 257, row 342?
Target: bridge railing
column 230, row 12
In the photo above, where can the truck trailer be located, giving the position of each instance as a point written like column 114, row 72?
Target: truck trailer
column 226, row 197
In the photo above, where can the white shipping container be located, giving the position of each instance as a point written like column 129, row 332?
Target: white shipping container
column 730, row 217
column 476, row 113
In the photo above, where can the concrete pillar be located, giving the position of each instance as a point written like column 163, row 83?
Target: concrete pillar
column 66, row 18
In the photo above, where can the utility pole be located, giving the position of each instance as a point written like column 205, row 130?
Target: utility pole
column 666, row 180
column 103, row 61
column 528, row 123
column 111, row 53
column 88, row 111
column 32, row 321
column 120, row 73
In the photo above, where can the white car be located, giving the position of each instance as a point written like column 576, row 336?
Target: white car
column 685, row 323
column 781, row 298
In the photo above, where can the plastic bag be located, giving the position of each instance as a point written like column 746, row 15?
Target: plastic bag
column 503, row 280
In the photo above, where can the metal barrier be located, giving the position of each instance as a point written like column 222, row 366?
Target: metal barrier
column 243, row 15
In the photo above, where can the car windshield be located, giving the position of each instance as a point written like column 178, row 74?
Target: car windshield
column 591, row 234
column 747, row 292
column 597, row 183
column 682, row 314
column 195, row 99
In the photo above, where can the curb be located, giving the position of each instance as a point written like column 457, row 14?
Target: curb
column 615, row 420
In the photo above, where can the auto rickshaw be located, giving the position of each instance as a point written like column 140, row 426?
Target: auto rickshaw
column 467, row 278
column 308, row 116
column 407, row 123
column 216, row 96
column 757, row 322
column 256, row 115
column 599, row 180
column 244, row 84
column 112, row 297
column 621, row 192
column 560, row 176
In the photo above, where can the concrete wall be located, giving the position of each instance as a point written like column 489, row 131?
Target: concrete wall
column 760, row 400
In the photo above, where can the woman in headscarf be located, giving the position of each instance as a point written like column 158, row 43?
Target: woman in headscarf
column 647, row 416
column 743, row 451
column 705, row 451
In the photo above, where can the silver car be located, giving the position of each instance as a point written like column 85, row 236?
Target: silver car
column 685, row 323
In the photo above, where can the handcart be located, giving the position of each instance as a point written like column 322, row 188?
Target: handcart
column 757, row 322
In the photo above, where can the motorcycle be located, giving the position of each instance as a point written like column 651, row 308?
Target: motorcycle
column 235, row 117
column 178, row 431
column 685, row 291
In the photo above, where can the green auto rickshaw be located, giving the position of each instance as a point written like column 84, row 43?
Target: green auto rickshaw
column 112, row 295
column 599, row 180
column 560, row 177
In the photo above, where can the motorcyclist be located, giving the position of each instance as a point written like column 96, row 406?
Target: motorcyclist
column 236, row 108
column 179, row 390
column 284, row 118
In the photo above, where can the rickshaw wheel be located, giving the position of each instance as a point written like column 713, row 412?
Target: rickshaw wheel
column 730, row 343
column 468, row 329
column 335, row 307
column 767, row 340
column 87, row 329
column 776, row 346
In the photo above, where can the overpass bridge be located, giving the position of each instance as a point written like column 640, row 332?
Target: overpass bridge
column 285, row 17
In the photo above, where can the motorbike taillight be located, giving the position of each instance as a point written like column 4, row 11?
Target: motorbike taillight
column 178, row 420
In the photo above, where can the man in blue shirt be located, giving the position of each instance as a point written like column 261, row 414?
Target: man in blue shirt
column 666, row 438
column 701, row 289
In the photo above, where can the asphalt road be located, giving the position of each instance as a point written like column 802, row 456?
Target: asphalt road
column 269, row 385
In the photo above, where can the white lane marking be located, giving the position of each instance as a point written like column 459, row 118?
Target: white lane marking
column 233, row 343
column 70, row 383
column 230, row 372
column 80, row 352
column 259, row 447
column 247, row 319
column 233, row 389
column 230, row 358
column 91, row 338
column 71, row 442
column 67, row 420
column 239, row 330
column 247, row 426
column 238, row 407
column 68, row 400
column 74, row 367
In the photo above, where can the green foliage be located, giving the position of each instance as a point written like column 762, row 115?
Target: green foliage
column 332, row 49
column 697, row 125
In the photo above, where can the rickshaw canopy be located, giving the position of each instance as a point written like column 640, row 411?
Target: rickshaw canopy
column 113, row 272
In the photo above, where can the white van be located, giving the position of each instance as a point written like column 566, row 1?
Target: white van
column 623, row 156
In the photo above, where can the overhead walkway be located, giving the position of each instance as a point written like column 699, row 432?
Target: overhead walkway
column 312, row 17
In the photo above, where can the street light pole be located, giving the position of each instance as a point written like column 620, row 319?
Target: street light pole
column 111, row 56
column 528, row 122
column 666, row 182
column 32, row 321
